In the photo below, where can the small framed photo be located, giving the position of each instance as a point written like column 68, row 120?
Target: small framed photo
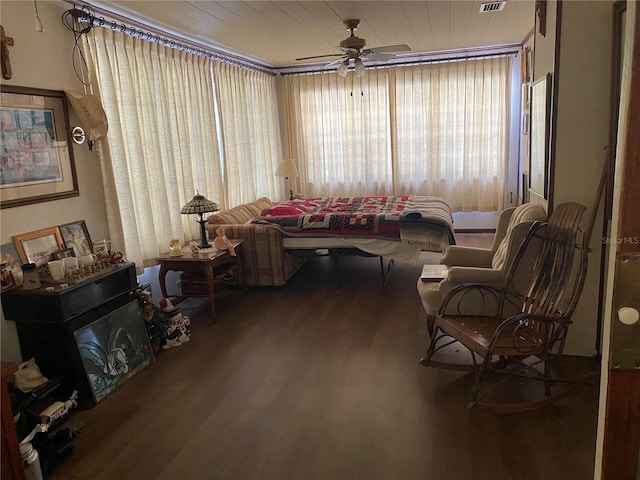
column 76, row 236
column 10, row 262
column 102, row 246
column 9, row 254
column 7, row 281
column 38, row 246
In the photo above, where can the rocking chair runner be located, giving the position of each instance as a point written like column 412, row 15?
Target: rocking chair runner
column 527, row 343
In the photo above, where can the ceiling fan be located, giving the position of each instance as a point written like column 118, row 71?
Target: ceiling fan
column 353, row 49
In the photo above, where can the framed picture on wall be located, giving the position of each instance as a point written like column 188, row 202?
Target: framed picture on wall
column 36, row 158
column 539, row 132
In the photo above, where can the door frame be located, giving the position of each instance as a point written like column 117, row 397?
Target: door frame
column 618, row 442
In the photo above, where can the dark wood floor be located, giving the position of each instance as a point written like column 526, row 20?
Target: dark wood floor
column 307, row 382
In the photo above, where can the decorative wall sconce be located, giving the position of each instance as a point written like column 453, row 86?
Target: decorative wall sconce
column 78, row 136
column 91, row 116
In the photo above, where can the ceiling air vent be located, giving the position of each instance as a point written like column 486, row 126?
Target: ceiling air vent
column 492, row 6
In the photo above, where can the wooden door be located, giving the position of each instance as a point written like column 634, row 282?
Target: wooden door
column 621, row 436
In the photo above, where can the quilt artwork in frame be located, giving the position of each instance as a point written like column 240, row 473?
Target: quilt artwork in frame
column 36, row 158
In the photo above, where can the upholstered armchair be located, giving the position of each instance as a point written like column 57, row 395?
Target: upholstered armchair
column 486, row 265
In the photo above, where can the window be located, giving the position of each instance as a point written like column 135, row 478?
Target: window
column 435, row 129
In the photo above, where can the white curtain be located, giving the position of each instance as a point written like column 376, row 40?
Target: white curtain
column 451, row 131
column 162, row 145
column 339, row 133
column 435, row 129
column 251, row 132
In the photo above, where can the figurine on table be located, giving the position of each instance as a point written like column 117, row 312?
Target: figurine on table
column 221, row 242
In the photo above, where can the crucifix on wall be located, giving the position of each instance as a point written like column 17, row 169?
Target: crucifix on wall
column 541, row 13
column 4, row 58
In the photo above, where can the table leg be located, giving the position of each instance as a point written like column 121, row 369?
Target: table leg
column 240, row 270
column 161, row 280
column 208, row 273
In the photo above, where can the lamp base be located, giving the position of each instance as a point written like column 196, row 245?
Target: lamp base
column 203, row 234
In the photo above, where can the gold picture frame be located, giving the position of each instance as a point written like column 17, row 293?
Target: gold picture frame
column 36, row 157
column 38, row 246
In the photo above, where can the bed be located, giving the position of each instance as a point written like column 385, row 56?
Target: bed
column 397, row 227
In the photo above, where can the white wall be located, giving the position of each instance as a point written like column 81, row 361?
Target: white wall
column 43, row 60
column 582, row 132
column 582, row 80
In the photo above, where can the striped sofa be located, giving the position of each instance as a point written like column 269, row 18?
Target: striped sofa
column 265, row 262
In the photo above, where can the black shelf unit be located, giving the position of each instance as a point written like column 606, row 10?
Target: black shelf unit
column 48, row 323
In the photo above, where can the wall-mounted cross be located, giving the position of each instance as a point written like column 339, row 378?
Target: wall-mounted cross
column 4, row 58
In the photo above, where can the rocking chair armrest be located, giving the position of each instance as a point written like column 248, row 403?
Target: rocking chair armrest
column 460, row 291
column 488, row 276
column 520, row 319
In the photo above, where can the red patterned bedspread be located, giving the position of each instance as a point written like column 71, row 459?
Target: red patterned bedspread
column 425, row 221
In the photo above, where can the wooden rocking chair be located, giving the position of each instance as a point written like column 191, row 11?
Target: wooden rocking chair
column 529, row 343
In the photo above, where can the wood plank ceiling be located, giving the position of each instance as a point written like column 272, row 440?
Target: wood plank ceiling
column 276, row 33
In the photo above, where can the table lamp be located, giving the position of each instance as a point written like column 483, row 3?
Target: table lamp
column 200, row 205
column 287, row 169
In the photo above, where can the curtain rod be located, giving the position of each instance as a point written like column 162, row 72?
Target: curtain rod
column 411, row 62
column 85, row 14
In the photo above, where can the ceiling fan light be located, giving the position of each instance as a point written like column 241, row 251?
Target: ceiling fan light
column 361, row 71
column 343, row 69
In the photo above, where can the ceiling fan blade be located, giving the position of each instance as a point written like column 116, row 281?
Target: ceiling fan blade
column 382, row 57
column 391, row 48
column 321, row 56
column 334, row 62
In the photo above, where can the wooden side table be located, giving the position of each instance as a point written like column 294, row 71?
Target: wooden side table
column 204, row 263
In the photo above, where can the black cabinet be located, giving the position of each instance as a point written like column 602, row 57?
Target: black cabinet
column 92, row 332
